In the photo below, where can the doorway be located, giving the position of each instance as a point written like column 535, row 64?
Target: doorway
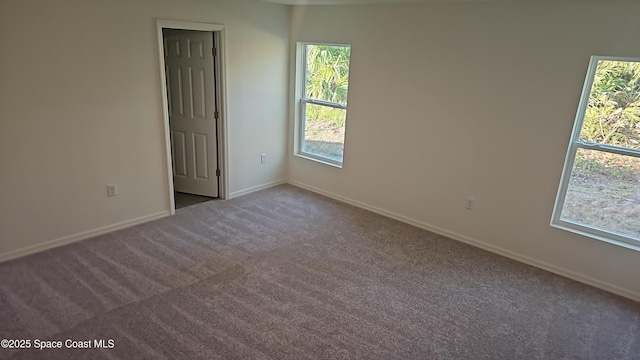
column 192, row 70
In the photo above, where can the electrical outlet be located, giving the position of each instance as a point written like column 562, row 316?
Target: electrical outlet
column 263, row 158
column 112, row 190
column 471, row 202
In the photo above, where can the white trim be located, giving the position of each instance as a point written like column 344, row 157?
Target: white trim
column 189, row 25
column 331, row 104
column 219, row 30
column 298, row 128
column 301, row 99
column 575, row 143
column 593, row 233
column 608, row 148
column 320, row 159
column 477, row 243
column 14, row 254
column 222, row 131
column 575, row 133
column 252, row 189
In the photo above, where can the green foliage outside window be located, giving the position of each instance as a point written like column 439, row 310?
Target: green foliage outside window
column 327, row 79
column 613, row 118
column 613, row 114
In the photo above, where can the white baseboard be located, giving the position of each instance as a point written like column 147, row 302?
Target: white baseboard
column 482, row 245
column 238, row 193
column 13, row 254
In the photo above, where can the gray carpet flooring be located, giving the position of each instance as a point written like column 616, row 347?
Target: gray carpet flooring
column 287, row 274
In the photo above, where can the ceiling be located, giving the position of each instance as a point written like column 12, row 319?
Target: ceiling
column 356, row 2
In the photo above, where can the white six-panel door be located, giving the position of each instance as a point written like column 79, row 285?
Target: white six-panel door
column 192, row 110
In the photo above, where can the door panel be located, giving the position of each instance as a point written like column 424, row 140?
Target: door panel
column 201, row 154
column 175, row 94
column 192, row 108
column 198, row 102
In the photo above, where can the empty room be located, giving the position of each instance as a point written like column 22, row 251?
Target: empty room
column 319, row 179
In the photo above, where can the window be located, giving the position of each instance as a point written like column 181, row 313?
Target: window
column 322, row 78
column 599, row 194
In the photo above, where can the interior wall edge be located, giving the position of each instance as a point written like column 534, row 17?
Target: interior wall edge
column 626, row 293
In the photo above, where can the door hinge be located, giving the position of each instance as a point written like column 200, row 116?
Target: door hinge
column 214, row 51
column 216, row 115
column 217, row 172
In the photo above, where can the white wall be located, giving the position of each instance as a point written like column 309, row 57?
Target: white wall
column 457, row 100
column 80, row 107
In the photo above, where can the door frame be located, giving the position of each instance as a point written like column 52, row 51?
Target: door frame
column 218, row 31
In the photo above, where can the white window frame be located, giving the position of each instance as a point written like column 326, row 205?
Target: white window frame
column 301, row 100
column 574, row 144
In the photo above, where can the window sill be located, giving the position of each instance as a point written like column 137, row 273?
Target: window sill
column 591, row 233
column 318, row 159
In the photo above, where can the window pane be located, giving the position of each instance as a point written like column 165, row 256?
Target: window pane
column 324, row 131
column 604, row 192
column 327, row 75
column 613, row 114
